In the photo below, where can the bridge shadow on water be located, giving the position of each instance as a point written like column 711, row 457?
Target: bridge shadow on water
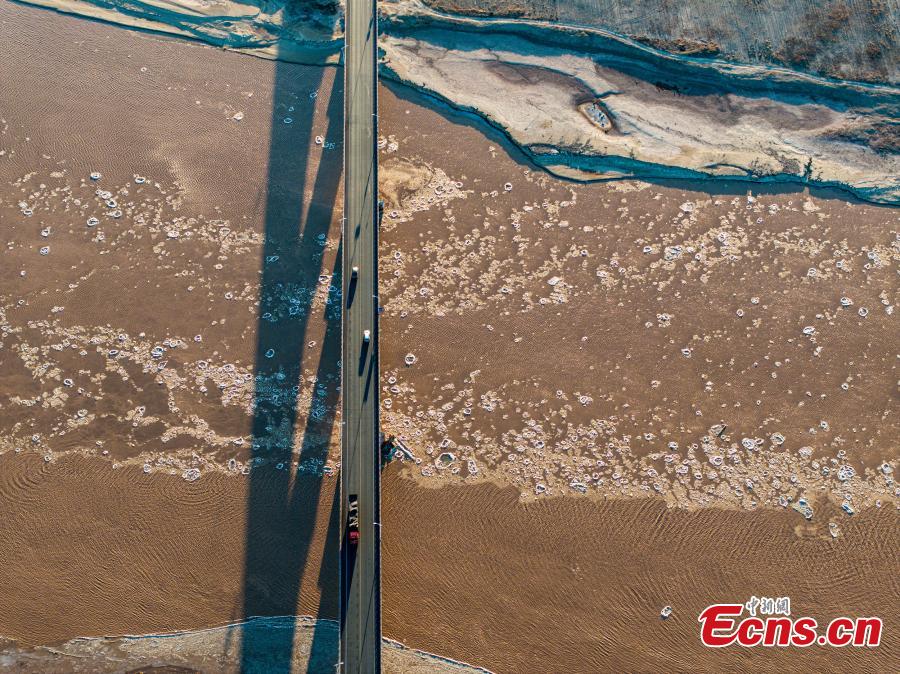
column 283, row 506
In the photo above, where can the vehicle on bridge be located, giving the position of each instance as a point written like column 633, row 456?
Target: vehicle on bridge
column 353, row 520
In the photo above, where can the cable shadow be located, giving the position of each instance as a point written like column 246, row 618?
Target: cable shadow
column 283, row 504
column 323, row 653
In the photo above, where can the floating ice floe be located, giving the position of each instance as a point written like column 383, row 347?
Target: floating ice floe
column 191, row 474
column 445, row 460
column 804, row 507
column 845, row 473
column 672, row 253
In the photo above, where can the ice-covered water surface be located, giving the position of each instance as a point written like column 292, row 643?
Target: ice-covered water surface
column 590, row 104
column 586, row 102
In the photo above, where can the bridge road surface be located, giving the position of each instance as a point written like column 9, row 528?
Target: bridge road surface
column 360, row 441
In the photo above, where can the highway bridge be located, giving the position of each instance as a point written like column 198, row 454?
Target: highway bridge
column 360, row 443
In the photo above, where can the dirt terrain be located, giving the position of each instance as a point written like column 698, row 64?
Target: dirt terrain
column 848, row 40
